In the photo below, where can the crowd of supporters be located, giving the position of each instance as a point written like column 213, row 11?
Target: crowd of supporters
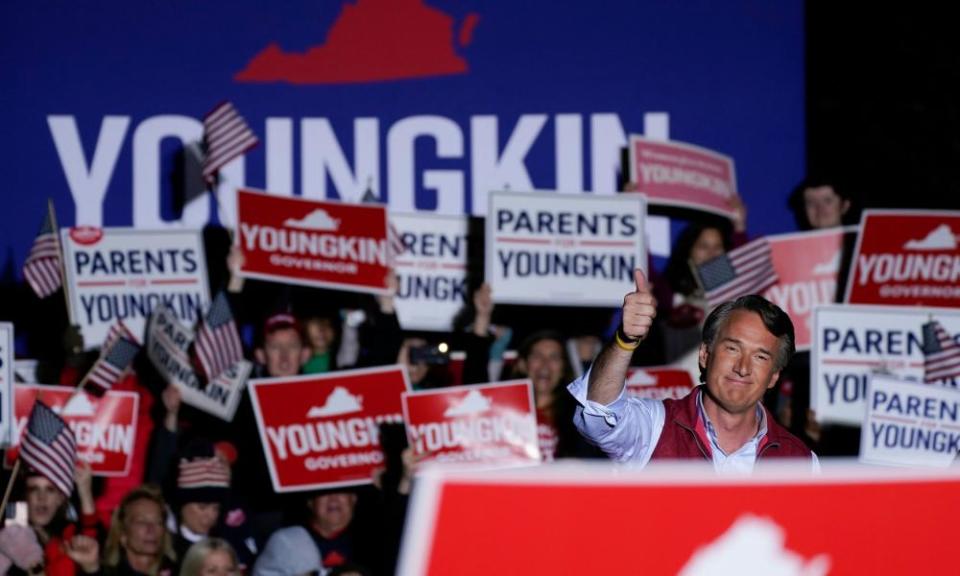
column 199, row 498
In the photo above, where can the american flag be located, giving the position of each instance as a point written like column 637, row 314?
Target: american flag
column 941, row 354
column 226, row 136
column 395, row 240
column 48, row 446
column 117, row 331
column 42, row 268
column 744, row 270
column 218, row 344
column 112, row 364
column 203, row 473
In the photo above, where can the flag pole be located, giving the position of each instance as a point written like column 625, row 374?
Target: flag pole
column 63, row 264
column 10, row 482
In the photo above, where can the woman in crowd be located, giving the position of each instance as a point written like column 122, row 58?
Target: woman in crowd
column 139, row 543
column 210, row 557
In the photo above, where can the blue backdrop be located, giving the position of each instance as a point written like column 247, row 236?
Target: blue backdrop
column 430, row 103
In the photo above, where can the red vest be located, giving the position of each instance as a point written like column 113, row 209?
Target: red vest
column 684, row 434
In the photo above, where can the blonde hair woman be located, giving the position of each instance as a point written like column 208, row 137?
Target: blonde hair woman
column 210, row 557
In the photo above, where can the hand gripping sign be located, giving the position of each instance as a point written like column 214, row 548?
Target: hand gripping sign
column 488, row 423
column 104, row 427
column 326, row 244
column 906, row 258
column 694, row 523
column 323, row 431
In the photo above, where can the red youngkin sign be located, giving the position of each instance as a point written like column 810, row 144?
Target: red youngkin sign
column 327, row 244
column 659, row 382
column 677, row 174
column 323, row 431
column 808, row 265
column 681, row 520
column 906, row 258
column 489, row 423
column 105, row 428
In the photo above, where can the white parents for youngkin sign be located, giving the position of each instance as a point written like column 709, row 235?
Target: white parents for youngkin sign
column 910, row 424
column 678, row 174
column 489, row 423
column 323, row 430
column 6, row 382
column 169, row 349
column 123, row 274
column 431, row 270
column 852, row 342
column 546, row 248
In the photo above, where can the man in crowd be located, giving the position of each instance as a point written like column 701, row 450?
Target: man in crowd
column 745, row 345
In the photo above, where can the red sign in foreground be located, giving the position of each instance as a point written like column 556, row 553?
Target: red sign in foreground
column 328, row 244
column 807, row 265
column 906, row 258
column 682, row 520
column 677, row 174
column 105, row 428
column 659, row 382
column 324, row 431
column 490, row 423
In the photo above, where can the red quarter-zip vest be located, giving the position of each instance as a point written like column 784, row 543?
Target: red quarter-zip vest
column 685, row 436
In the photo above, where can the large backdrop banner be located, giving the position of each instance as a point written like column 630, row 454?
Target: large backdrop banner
column 430, row 104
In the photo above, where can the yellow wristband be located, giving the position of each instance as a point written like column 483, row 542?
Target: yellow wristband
column 625, row 346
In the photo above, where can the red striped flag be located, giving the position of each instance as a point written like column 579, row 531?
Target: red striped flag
column 111, row 365
column 394, row 240
column 218, row 344
column 48, row 446
column 744, row 270
column 42, row 267
column 117, row 331
column 203, row 473
column 226, row 136
column 941, row 353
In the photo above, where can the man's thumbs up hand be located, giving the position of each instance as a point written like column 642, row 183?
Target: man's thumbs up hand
column 639, row 309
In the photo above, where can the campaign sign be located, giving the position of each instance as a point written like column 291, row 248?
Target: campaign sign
column 431, row 270
column 489, row 423
column 852, row 342
column 323, row 431
column 678, row 174
column 910, row 424
column 882, row 521
column 168, row 347
column 906, row 258
column 25, row 370
column 807, row 265
column 124, row 274
column 546, row 248
column 659, row 382
column 104, row 427
column 300, row 241
column 6, row 382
